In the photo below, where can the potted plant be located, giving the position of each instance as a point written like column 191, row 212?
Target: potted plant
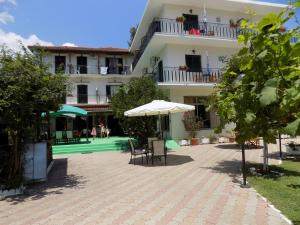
column 211, row 33
column 180, row 19
column 193, row 125
column 183, row 68
column 235, row 24
column 232, row 23
column 293, row 148
column 213, row 139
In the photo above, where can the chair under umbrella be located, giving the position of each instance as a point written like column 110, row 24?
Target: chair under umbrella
column 159, row 107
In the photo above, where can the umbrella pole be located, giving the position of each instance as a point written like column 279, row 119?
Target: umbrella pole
column 160, row 129
column 87, row 130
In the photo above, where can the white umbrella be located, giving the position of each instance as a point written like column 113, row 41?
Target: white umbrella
column 159, row 107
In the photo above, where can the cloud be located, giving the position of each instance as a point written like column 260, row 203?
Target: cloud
column 14, row 2
column 5, row 17
column 68, row 44
column 14, row 41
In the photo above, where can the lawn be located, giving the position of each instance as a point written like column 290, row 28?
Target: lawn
column 284, row 191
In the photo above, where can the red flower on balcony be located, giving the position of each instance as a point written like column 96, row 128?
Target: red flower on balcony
column 194, row 31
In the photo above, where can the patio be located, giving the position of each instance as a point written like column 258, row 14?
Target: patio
column 198, row 186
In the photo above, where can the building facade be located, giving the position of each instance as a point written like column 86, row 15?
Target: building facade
column 184, row 46
column 95, row 74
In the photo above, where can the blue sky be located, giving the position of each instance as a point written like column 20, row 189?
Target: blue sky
column 91, row 23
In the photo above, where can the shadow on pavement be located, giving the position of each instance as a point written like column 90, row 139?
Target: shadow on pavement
column 58, row 180
column 172, row 160
column 230, row 167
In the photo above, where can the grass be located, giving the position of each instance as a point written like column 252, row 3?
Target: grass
column 284, row 191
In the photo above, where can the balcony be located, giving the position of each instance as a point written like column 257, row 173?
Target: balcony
column 87, row 99
column 193, row 29
column 97, row 70
column 176, row 75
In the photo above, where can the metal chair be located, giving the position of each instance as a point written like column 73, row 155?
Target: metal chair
column 159, row 150
column 59, row 137
column 136, row 152
column 70, row 137
column 150, row 144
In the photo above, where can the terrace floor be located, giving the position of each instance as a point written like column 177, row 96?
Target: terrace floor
column 200, row 185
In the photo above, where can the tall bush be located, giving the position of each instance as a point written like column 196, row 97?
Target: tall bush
column 26, row 90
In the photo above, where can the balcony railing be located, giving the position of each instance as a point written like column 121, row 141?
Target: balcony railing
column 170, row 26
column 87, row 99
column 175, row 75
column 97, row 70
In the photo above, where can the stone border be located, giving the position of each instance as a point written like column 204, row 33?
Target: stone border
column 269, row 204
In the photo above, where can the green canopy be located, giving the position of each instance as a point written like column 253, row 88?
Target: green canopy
column 68, row 110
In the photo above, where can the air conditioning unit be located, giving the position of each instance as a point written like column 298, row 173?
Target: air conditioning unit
column 145, row 71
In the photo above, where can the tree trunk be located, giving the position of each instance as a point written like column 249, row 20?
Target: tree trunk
column 266, row 157
column 15, row 170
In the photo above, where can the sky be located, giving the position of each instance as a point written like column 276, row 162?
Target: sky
column 88, row 23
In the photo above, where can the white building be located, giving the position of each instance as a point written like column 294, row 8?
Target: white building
column 95, row 74
column 186, row 56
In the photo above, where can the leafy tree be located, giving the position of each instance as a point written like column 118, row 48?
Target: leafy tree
column 26, row 90
column 132, row 32
column 137, row 92
column 259, row 91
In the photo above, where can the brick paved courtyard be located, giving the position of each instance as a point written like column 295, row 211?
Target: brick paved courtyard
column 199, row 186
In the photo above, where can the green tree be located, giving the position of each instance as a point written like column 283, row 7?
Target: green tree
column 26, row 90
column 137, row 92
column 259, row 91
column 132, row 32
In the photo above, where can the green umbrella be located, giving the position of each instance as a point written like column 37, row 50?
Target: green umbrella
column 68, row 110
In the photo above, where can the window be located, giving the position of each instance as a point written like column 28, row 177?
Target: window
column 60, row 64
column 191, row 21
column 82, row 65
column 218, row 19
column 111, row 90
column 114, row 65
column 193, row 62
column 82, row 94
column 200, row 112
